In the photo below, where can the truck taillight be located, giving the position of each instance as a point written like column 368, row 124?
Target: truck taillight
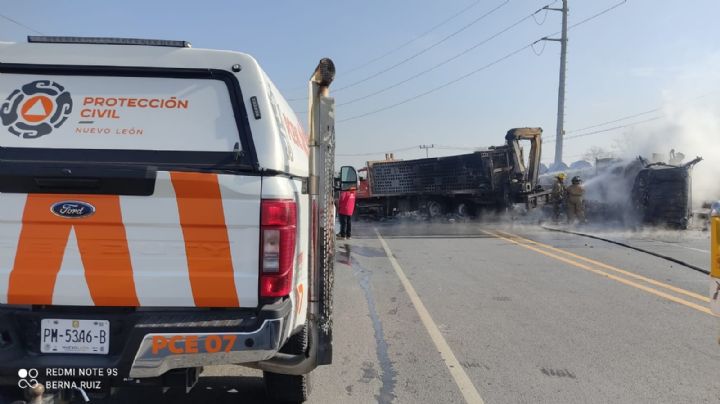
column 278, row 221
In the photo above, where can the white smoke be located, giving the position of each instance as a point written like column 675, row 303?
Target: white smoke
column 689, row 124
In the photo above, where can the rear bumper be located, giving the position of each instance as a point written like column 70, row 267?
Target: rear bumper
column 145, row 344
column 234, row 347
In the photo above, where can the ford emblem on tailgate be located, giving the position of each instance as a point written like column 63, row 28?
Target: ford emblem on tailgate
column 72, row 209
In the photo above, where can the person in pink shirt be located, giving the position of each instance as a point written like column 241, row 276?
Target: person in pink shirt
column 346, row 207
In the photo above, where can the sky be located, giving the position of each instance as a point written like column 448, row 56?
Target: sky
column 643, row 55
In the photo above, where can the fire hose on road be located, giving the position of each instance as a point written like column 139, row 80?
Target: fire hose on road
column 626, row 245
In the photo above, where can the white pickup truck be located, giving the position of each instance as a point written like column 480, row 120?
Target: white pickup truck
column 161, row 210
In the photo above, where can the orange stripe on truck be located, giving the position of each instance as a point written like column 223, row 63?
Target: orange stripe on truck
column 103, row 249
column 207, row 246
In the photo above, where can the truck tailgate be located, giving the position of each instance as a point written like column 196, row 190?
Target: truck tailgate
column 192, row 243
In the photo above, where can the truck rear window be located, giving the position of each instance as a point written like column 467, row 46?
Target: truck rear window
column 117, row 113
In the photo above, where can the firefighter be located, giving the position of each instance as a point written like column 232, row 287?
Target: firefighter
column 346, row 208
column 558, row 196
column 575, row 203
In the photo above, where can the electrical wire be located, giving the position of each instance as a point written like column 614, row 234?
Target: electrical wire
column 639, row 114
column 437, row 88
column 444, row 62
column 471, row 73
column 608, row 129
column 538, row 53
column 636, row 115
column 592, row 17
column 441, row 147
column 435, row 146
column 20, row 24
column 422, row 35
column 614, row 120
column 545, row 15
column 397, row 48
column 416, row 54
column 376, row 153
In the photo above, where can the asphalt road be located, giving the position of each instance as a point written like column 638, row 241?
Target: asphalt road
column 455, row 312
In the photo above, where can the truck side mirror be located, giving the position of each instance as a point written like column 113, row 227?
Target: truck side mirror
column 348, row 177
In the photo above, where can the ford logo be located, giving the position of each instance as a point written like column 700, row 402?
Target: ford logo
column 72, row 209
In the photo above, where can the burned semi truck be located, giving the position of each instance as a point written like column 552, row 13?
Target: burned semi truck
column 496, row 178
column 636, row 192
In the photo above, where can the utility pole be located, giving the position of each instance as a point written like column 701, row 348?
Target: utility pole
column 427, row 147
column 560, row 132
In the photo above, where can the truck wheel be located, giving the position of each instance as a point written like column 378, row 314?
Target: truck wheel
column 465, row 209
column 434, row 209
column 289, row 388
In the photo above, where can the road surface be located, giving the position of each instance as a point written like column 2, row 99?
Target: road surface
column 466, row 312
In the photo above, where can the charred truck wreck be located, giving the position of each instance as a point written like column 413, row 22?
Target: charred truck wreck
column 662, row 194
column 498, row 178
column 632, row 192
column 637, row 192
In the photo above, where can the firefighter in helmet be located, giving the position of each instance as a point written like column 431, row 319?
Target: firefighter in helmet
column 575, row 203
column 558, row 196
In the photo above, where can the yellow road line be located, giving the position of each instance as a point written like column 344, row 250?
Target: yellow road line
column 612, row 268
column 466, row 386
column 605, row 274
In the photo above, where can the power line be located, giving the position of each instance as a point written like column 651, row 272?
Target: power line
column 637, row 115
column 440, row 87
column 425, row 147
column 404, row 44
column 610, row 129
column 426, row 49
column 444, row 62
column 20, row 24
column 594, row 16
column 397, row 48
column 473, row 148
column 471, row 73
column 615, row 120
column 416, row 54
column 545, row 15
column 376, row 153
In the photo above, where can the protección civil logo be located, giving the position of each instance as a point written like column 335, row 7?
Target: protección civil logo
column 36, row 108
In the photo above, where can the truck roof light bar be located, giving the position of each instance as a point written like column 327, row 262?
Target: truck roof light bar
column 108, row 41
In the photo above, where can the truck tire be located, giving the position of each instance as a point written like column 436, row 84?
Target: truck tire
column 504, row 203
column 289, row 388
column 434, row 209
column 465, row 209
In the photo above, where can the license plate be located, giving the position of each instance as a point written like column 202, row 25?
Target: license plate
column 75, row 336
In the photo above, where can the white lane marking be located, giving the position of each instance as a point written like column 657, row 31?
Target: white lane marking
column 694, row 249
column 680, row 245
column 467, row 388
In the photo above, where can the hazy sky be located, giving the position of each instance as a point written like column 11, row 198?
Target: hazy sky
column 626, row 61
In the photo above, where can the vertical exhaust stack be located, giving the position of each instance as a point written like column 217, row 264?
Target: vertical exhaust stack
column 322, row 240
column 322, row 173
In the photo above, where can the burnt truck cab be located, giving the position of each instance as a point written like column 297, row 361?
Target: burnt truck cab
column 162, row 210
